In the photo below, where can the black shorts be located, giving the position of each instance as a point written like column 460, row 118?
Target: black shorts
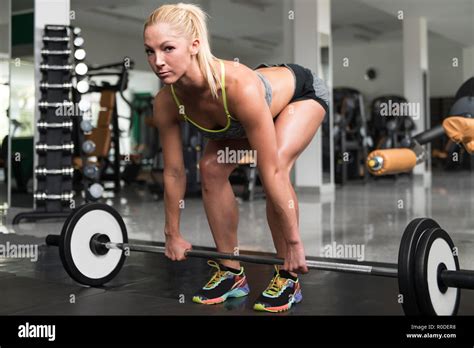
column 307, row 84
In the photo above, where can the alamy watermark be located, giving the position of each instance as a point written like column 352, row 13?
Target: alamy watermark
column 237, row 156
column 400, row 109
column 344, row 251
column 28, row 330
column 19, row 251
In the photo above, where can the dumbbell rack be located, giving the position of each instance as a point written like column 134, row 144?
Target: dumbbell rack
column 57, row 105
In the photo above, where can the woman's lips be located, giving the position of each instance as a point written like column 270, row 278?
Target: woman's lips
column 163, row 74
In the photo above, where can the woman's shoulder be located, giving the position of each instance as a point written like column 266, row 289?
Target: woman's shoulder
column 163, row 104
column 239, row 78
column 164, row 97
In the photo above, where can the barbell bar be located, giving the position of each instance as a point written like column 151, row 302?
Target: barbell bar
column 461, row 278
column 265, row 260
column 93, row 245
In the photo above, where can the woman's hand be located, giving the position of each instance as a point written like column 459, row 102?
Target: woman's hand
column 176, row 247
column 295, row 260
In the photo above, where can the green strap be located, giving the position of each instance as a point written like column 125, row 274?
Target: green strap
column 224, row 99
column 224, row 95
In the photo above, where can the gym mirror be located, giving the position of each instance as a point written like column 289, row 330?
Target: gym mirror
column 22, row 104
column 5, row 15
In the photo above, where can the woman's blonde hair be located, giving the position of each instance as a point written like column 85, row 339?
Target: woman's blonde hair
column 190, row 21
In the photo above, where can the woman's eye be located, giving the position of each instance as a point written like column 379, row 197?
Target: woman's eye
column 148, row 52
column 169, row 48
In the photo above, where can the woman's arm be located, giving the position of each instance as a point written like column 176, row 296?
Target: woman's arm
column 174, row 174
column 248, row 106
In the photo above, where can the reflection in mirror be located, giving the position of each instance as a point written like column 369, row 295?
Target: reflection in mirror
column 21, row 131
column 5, row 15
column 22, row 105
column 326, row 128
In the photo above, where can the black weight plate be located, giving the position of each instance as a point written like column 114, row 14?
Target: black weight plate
column 79, row 261
column 435, row 247
column 406, row 262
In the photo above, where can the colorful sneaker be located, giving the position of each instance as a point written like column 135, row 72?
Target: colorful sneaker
column 280, row 295
column 222, row 285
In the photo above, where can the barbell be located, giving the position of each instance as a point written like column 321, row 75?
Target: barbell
column 93, row 245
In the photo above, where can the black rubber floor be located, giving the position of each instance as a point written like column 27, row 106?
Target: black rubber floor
column 150, row 284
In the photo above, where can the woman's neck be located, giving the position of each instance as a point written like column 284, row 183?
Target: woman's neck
column 193, row 81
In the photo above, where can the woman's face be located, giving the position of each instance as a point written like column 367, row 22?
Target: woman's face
column 168, row 54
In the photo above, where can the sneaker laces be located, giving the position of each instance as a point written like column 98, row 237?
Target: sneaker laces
column 217, row 275
column 276, row 284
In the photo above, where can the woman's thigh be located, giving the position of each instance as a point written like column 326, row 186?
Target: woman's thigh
column 217, row 155
column 295, row 127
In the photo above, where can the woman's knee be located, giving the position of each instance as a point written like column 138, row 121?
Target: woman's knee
column 287, row 159
column 212, row 172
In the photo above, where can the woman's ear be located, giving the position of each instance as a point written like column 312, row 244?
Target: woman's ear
column 195, row 45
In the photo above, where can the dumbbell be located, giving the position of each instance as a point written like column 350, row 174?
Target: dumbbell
column 57, row 27
column 94, row 192
column 86, row 126
column 66, row 126
column 55, row 52
column 66, row 171
column 84, row 105
column 80, row 54
column 45, row 85
column 41, row 148
column 82, row 86
column 80, row 69
column 56, row 39
column 78, row 41
column 91, row 171
column 43, row 196
column 64, row 104
column 88, row 147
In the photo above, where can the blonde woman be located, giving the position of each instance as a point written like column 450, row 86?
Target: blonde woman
column 274, row 110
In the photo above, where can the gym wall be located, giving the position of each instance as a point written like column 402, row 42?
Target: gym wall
column 387, row 58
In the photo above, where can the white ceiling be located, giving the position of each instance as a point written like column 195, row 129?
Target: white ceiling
column 452, row 19
column 256, row 24
column 260, row 30
column 354, row 22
